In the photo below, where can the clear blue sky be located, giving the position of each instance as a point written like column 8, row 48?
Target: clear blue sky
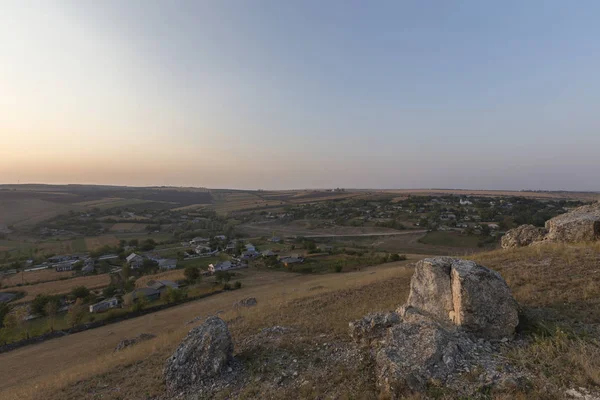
column 295, row 94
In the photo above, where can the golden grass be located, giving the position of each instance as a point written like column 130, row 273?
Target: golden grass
column 35, row 276
column 61, row 287
column 555, row 284
column 173, row 275
column 283, row 298
column 128, row 227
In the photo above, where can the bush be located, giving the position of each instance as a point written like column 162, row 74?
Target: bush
column 173, row 295
column 397, row 257
column 192, row 274
column 226, row 286
column 237, row 285
column 38, row 305
column 222, row 276
column 80, row 292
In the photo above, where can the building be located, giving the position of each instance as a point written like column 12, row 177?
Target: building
column 250, row 247
column 198, row 240
column 104, row 305
column 167, row 263
column 287, row 261
column 149, row 293
column 64, row 266
column 88, row 268
column 275, row 239
column 134, row 260
column 162, row 285
column 222, row 266
column 268, row 253
column 221, row 237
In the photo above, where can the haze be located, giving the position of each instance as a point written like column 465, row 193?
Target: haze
column 273, row 94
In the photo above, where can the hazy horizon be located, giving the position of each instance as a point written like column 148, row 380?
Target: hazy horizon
column 279, row 95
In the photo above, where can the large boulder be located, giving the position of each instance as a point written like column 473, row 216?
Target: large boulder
column 580, row 225
column 523, row 235
column 417, row 352
column 203, row 354
column 372, row 327
column 466, row 294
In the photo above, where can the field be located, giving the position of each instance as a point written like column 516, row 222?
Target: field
column 61, row 286
column 282, row 298
column 554, row 284
column 128, row 227
column 43, row 275
column 450, row 239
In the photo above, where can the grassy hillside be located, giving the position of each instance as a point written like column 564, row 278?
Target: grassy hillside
column 557, row 287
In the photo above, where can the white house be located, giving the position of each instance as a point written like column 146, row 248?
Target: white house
column 104, row 305
column 221, row 237
column 465, row 202
column 250, row 247
column 222, row 266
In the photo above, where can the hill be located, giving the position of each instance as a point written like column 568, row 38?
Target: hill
column 555, row 284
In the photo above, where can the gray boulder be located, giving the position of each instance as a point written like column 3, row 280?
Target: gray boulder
column 123, row 344
column 579, row 225
column 247, row 302
column 466, row 294
column 523, row 235
column 203, row 354
column 416, row 352
column 372, row 326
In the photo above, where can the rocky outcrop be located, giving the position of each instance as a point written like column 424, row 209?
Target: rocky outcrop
column 203, row 354
column 456, row 312
column 466, row 294
column 579, row 225
column 247, row 302
column 523, row 235
column 130, row 342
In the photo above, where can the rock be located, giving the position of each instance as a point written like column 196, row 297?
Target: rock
column 247, row 302
column 464, row 293
column 372, row 326
column 523, row 235
column 203, row 354
column 416, row 353
column 130, row 342
column 580, row 225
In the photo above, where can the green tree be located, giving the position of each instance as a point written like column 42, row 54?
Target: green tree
column 140, row 302
column 51, row 310
column 173, row 295
column 191, row 274
column 4, row 310
column 80, row 292
column 222, row 276
column 76, row 313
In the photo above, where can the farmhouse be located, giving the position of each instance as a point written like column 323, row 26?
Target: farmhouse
column 287, row 261
column 134, row 260
column 64, row 266
column 222, row 266
column 104, row 305
column 250, row 247
column 149, row 293
column 167, row 263
column 162, row 285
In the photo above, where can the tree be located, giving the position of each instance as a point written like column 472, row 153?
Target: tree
column 51, row 309
column 78, row 265
column 109, row 291
column 76, row 313
column 38, row 305
column 222, row 276
column 237, row 285
column 16, row 320
column 191, row 274
column 140, row 302
column 80, row 292
column 4, row 310
column 173, row 295
column 133, row 242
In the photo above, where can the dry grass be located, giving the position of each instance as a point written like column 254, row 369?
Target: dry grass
column 174, row 275
column 96, row 242
column 35, row 276
column 61, row 287
column 557, row 286
column 128, row 227
column 283, row 298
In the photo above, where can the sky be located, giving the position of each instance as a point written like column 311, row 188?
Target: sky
column 261, row 94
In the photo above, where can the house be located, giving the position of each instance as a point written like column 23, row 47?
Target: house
column 134, row 260
column 493, row 226
column 198, row 240
column 465, row 202
column 162, row 285
column 325, row 248
column 275, row 239
column 167, row 263
column 230, row 247
column 250, row 254
column 88, row 268
column 268, row 253
column 149, row 293
column 250, row 247
column 104, row 305
column 64, row 266
column 294, row 259
column 222, row 266
column 221, row 237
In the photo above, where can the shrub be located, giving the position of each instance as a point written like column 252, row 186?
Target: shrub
column 192, row 274
column 80, row 292
column 237, row 285
column 226, row 286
